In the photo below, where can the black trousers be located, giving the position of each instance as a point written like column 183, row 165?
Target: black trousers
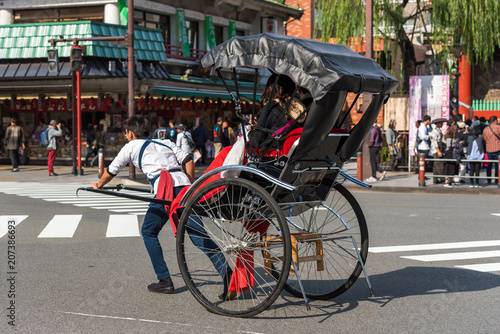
column 14, row 158
column 373, row 160
column 203, row 151
column 475, row 167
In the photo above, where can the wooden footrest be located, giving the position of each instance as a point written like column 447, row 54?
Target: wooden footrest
column 296, row 239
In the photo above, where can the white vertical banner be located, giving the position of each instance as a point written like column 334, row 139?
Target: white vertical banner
column 429, row 95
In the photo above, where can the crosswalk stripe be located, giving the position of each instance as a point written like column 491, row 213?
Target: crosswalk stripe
column 122, row 226
column 128, row 207
column 121, row 203
column 484, row 267
column 66, row 194
column 129, row 211
column 4, row 223
column 61, row 226
column 454, row 256
column 452, row 245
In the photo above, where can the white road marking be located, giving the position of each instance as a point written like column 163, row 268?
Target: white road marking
column 484, row 267
column 66, row 194
column 4, row 223
column 128, row 207
column 454, row 256
column 149, row 321
column 61, row 226
column 452, row 245
column 128, row 210
column 122, row 226
column 496, row 214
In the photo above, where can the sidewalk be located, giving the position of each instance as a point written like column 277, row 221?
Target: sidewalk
column 404, row 182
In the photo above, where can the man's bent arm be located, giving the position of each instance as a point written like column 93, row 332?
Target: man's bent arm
column 105, row 178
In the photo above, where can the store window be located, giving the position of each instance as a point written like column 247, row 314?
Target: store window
column 192, row 28
column 94, row 13
column 153, row 21
column 219, row 34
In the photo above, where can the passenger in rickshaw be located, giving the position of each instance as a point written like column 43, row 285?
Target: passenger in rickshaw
column 280, row 107
column 162, row 162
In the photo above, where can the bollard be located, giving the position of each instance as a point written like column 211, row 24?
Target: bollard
column 101, row 161
column 421, row 170
column 359, row 160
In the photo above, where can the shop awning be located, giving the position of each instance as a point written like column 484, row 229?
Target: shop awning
column 93, row 67
column 200, row 92
column 31, row 40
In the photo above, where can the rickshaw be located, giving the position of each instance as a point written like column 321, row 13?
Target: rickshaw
column 282, row 219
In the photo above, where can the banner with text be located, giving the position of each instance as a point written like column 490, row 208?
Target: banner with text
column 183, row 33
column 210, row 31
column 429, row 95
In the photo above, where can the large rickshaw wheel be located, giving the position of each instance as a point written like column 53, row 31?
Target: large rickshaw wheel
column 231, row 216
column 336, row 222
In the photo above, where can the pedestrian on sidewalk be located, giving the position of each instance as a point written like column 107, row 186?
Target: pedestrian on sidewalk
column 491, row 134
column 437, row 149
column 392, row 136
column 161, row 132
column 475, row 151
column 184, row 139
column 463, row 138
column 162, row 163
column 375, row 146
column 450, row 167
column 217, row 133
column 91, row 145
column 14, row 140
column 200, row 137
column 54, row 132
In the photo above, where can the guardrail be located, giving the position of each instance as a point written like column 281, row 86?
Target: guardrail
column 421, row 168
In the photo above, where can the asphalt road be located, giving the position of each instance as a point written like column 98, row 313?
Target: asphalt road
column 90, row 283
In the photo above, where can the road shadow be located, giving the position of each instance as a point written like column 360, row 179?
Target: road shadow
column 406, row 282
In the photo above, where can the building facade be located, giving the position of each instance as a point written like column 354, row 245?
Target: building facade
column 171, row 36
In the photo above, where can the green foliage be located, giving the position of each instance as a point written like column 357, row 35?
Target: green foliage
column 471, row 27
column 341, row 19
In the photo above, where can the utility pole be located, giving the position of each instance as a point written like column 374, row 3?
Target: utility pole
column 367, row 98
column 130, row 67
column 126, row 40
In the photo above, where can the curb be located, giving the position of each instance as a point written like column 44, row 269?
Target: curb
column 491, row 190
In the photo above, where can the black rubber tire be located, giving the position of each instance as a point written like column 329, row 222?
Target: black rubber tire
column 222, row 218
column 342, row 267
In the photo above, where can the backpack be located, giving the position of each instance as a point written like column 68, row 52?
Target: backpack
column 44, row 138
column 190, row 140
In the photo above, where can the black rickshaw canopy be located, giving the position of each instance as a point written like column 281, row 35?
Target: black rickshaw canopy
column 319, row 67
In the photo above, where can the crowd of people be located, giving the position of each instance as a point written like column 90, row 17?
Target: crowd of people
column 461, row 147
column 476, row 139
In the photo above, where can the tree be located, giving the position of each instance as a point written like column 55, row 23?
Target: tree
column 457, row 27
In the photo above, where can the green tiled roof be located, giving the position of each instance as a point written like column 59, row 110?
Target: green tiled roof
column 31, row 40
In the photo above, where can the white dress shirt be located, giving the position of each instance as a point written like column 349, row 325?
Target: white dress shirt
column 155, row 159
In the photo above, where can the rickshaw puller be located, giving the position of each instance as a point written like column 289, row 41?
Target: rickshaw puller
column 153, row 157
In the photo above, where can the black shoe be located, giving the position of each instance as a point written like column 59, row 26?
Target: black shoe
column 163, row 286
column 227, row 295
column 54, row 174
